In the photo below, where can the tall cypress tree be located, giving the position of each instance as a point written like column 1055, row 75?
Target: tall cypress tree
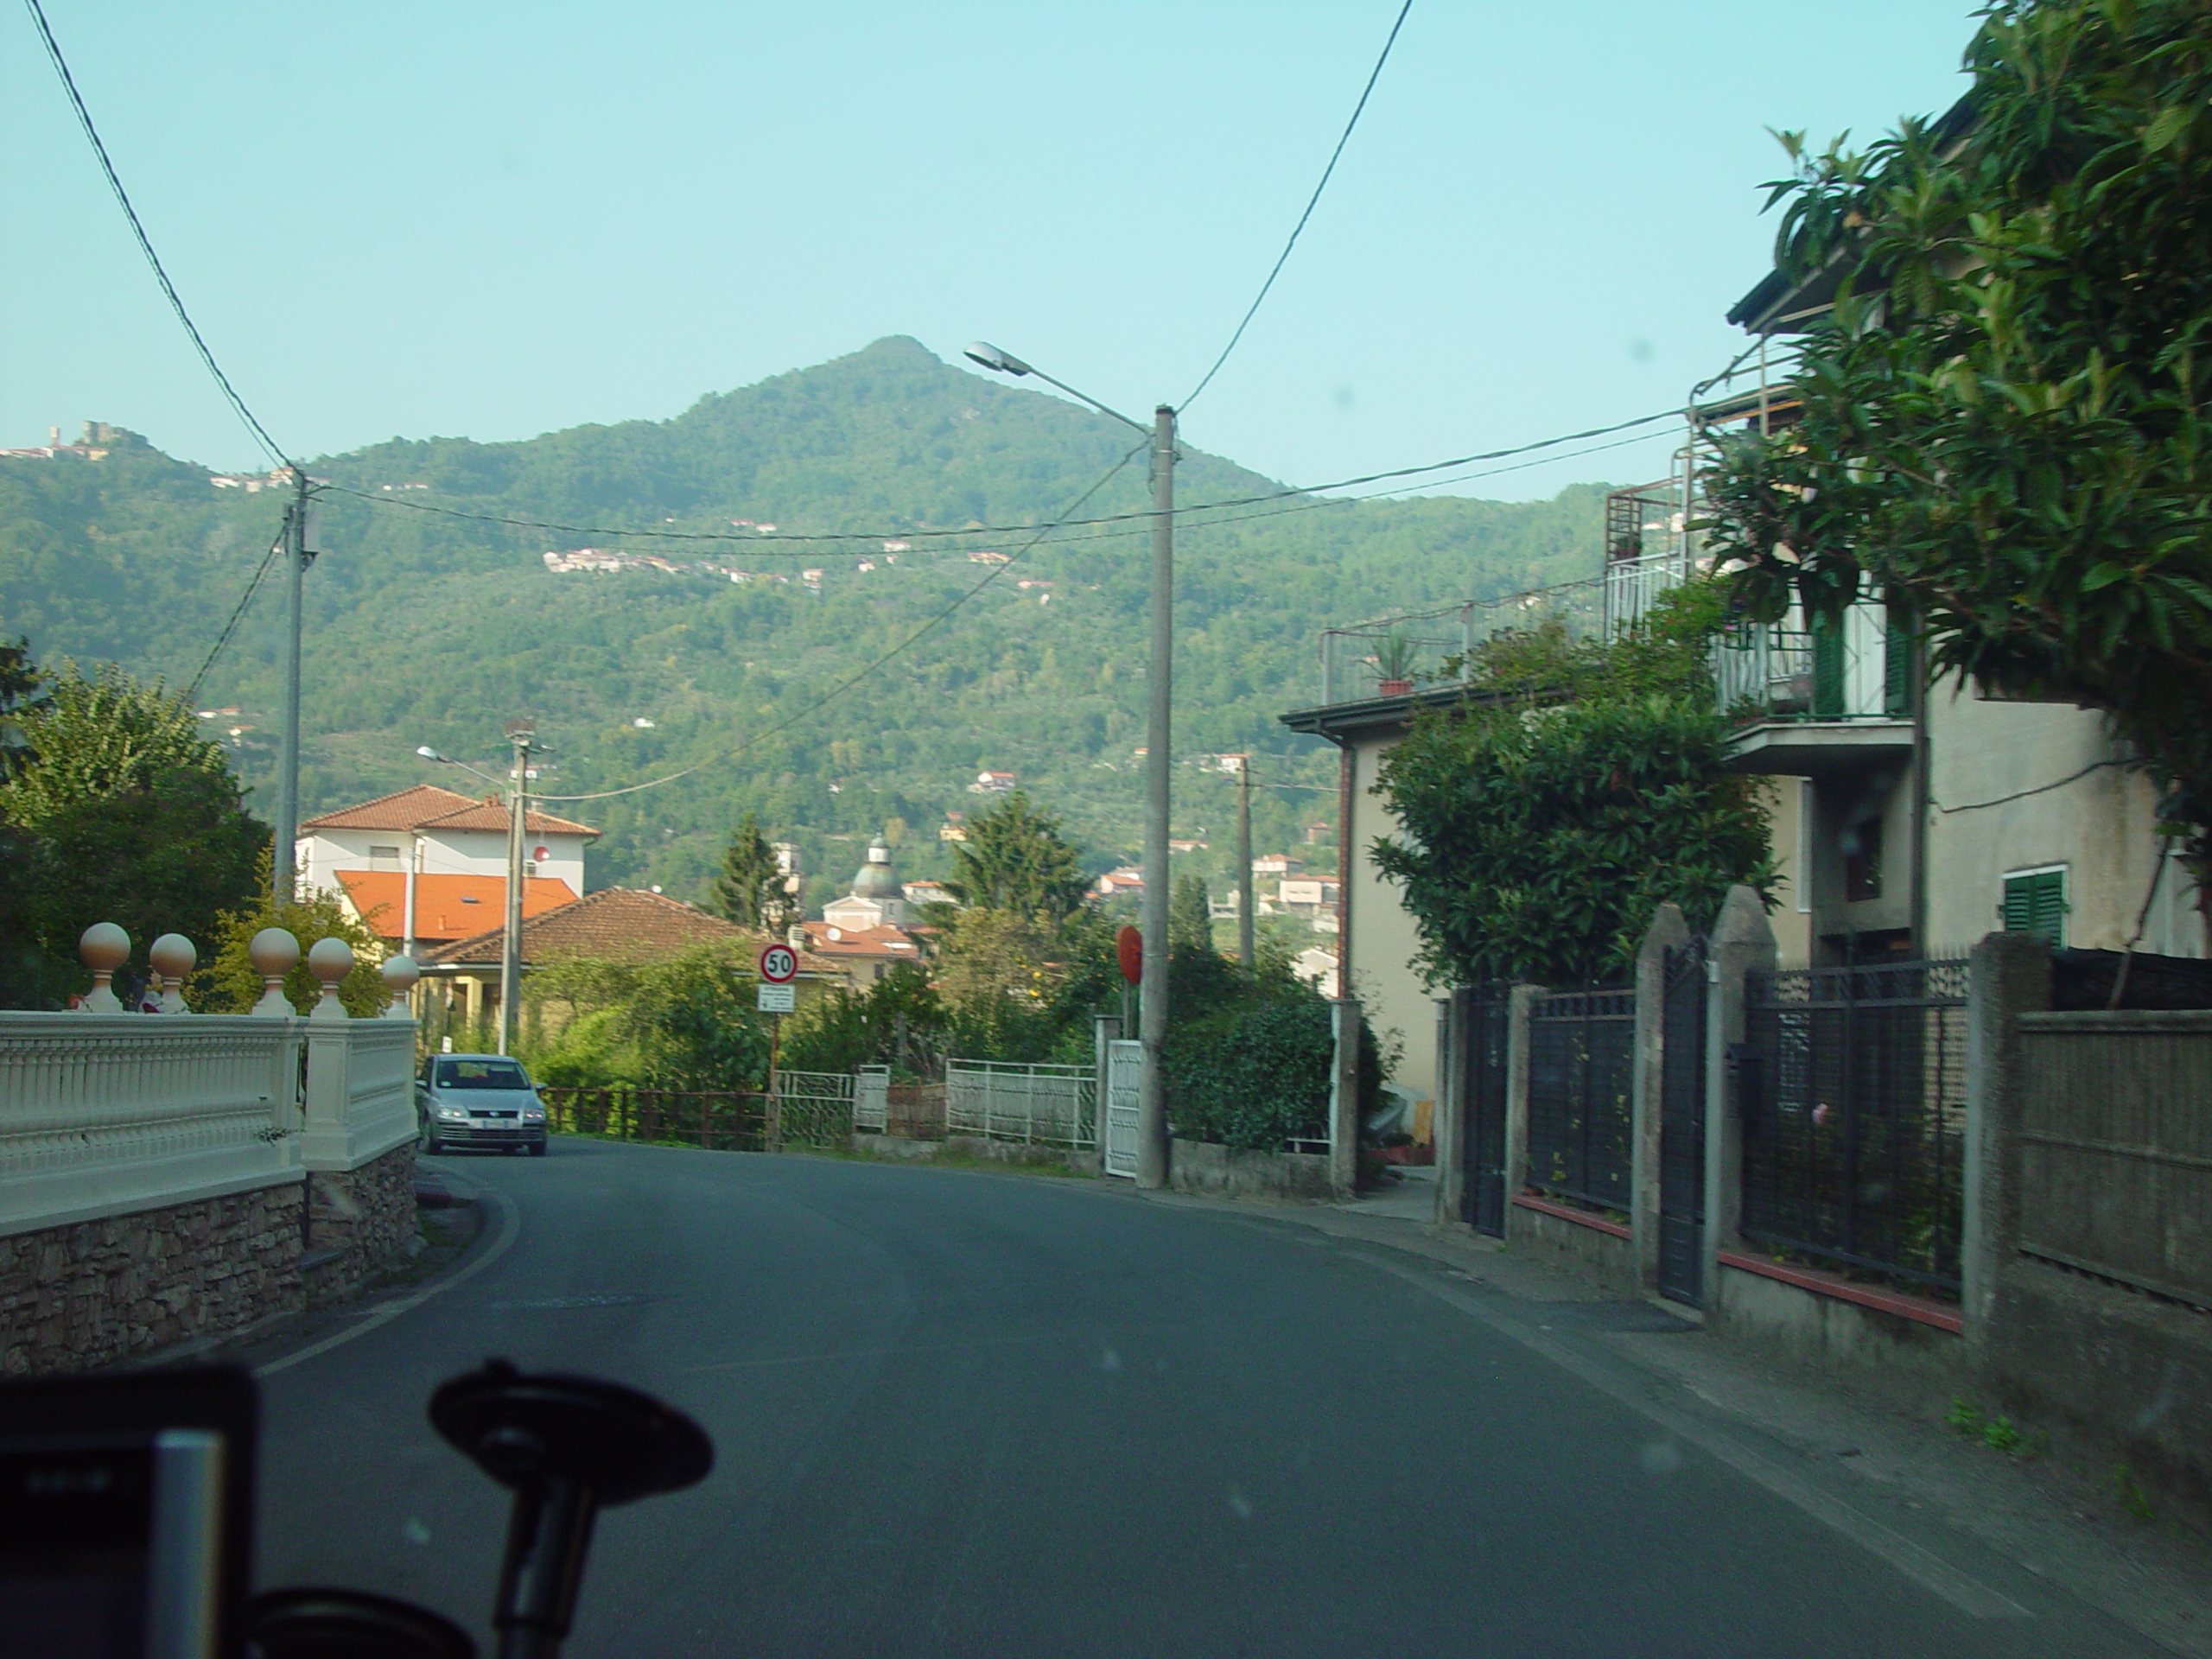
column 749, row 891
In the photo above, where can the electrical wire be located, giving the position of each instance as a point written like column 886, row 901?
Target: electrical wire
column 848, row 683
column 2040, row 789
column 1313, row 202
column 145, row 242
column 1011, row 529
column 192, row 692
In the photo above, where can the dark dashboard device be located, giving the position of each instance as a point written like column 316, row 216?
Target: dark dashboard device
column 125, row 1514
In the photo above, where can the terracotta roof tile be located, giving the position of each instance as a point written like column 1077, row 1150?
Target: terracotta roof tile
column 402, row 810
column 425, row 806
column 446, row 906
column 491, row 814
column 614, row 925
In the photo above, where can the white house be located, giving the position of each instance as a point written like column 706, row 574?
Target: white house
column 454, row 849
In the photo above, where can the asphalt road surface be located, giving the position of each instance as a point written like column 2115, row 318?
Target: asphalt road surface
column 983, row 1414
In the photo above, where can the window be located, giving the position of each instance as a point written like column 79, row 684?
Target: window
column 1862, row 860
column 384, row 858
column 2035, row 902
column 480, row 1074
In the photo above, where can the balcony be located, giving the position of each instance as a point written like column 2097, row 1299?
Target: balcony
column 1809, row 696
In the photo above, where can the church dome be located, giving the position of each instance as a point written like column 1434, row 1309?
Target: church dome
column 876, row 879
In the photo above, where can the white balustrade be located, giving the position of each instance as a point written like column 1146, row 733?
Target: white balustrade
column 360, row 1092
column 104, row 1112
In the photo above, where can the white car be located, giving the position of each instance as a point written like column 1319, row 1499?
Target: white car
column 478, row 1100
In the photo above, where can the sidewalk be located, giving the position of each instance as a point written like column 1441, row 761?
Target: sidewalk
column 2053, row 1516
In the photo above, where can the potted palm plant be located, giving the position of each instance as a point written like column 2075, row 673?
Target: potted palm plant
column 1394, row 664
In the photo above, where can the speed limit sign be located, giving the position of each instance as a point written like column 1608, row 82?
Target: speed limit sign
column 779, row 964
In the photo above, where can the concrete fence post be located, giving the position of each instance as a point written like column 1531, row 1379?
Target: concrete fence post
column 1344, row 1098
column 2008, row 974
column 1667, row 931
column 1448, row 1131
column 1518, row 1008
column 1743, row 944
column 1105, row 1030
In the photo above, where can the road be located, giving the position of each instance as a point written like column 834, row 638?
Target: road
column 983, row 1414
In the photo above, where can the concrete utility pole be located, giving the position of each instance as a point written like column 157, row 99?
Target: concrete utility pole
column 521, row 733
column 1244, row 951
column 1152, row 1017
column 1152, row 1011
column 283, row 884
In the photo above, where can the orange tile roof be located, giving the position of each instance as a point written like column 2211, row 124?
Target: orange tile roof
column 491, row 813
column 613, row 925
column 426, row 806
column 446, row 906
column 402, row 810
column 861, row 942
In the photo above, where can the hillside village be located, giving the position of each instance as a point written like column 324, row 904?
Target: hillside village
column 1651, row 1046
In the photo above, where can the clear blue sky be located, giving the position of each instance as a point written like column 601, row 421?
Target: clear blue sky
column 497, row 220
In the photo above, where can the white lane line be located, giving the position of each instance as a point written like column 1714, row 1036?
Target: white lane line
column 510, row 1229
column 1969, row 1595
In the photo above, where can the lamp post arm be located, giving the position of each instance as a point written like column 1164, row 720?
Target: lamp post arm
column 1139, row 426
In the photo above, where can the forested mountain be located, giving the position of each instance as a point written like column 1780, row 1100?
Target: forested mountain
column 429, row 628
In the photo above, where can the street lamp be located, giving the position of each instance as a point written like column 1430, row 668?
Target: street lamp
column 522, row 735
column 1152, row 1019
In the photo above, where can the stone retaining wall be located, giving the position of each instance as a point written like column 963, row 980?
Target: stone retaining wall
column 95, row 1292
column 359, row 1220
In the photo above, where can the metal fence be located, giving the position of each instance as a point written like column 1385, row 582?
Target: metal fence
column 812, row 1109
column 1048, row 1105
column 1851, row 1088
column 1487, row 1025
column 731, row 1121
column 1581, row 1083
column 2116, row 1147
column 1354, row 657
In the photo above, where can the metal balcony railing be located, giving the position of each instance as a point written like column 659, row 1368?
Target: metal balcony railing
column 1857, row 667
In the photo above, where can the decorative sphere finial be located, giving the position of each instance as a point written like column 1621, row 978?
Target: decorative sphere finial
column 274, row 953
column 171, row 957
column 329, row 961
column 399, row 974
column 103, row 947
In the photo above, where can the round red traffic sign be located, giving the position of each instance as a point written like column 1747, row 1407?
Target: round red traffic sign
column 779, row 964
column 1128, row 947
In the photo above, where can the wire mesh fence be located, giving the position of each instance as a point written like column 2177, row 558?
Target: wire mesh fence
column 812, row 1109
column 1852, row 1087
column 1581, row 1079
column 1045, row 1105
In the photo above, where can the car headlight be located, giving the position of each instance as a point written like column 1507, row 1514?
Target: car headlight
column 453, row 1111
column 533, row 1114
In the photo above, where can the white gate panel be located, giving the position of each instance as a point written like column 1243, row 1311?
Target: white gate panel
column 1124, row 1072
column 871, row 1098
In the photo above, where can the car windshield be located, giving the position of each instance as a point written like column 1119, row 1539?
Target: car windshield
column 480, row 1074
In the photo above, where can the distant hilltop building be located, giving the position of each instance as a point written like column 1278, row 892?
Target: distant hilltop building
column 991, row 782
column 99, row 438
column 1122, row 883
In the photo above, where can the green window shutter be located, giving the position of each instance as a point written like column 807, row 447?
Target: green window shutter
column 2035, row 903
column 1897, row 672
column 1828, row 666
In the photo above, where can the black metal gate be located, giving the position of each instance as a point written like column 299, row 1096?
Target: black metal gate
column 1488, row 1023
column 1681, row 1127
column 1581, row 1071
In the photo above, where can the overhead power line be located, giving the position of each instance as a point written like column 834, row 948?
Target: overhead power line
column 1312, row 202
column 853, row 679
column 817, row 538
column 192, row 692
column 145, row 242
